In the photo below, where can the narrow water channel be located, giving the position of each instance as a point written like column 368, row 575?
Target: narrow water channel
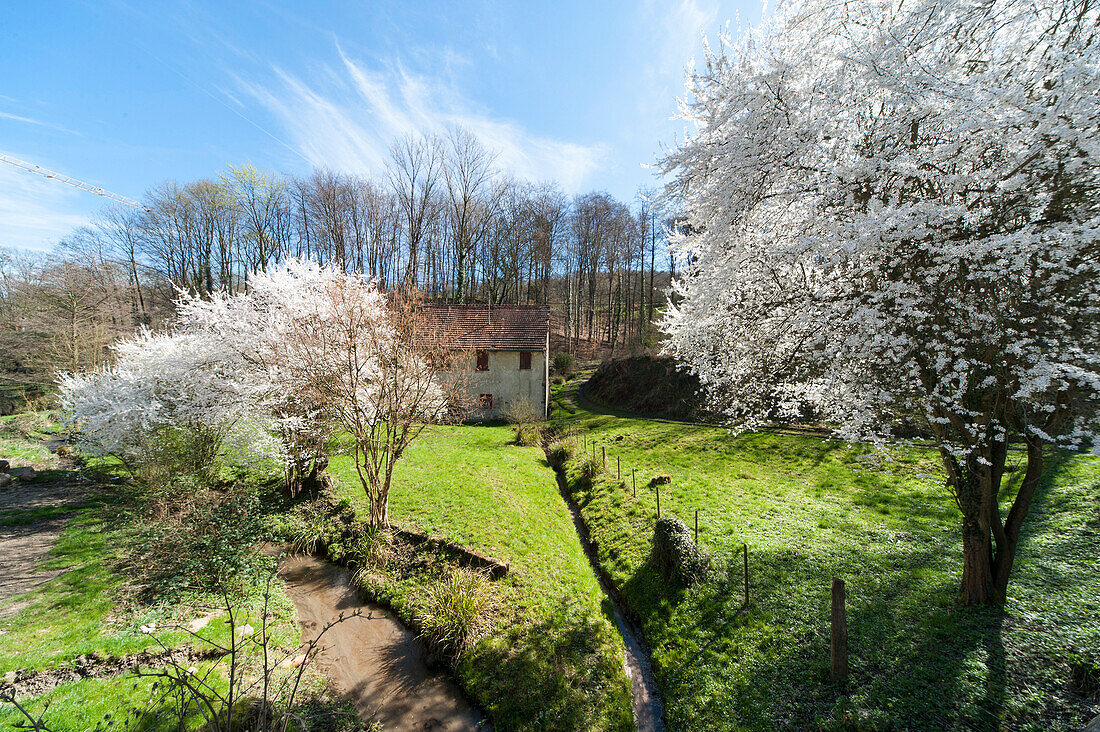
column 645, row 698
column 373, row 660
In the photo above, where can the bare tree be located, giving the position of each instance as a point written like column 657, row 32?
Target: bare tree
column 413, row 174
column 468, row 172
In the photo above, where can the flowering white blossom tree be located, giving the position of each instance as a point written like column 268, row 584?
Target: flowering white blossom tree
column 251, row 329
column 324, row 351
column 169, row 402
column 892, row 211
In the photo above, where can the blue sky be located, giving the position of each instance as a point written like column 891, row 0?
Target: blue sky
column 128, row 94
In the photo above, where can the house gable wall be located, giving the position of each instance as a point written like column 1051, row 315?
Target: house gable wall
column 509, row 385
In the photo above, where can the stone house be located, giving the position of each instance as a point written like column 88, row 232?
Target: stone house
column 509, row 349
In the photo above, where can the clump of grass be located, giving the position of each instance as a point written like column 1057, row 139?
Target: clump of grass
column 372, row 552
column 306, row 530
column 527, row 435
column 563, row 450
column 589, row 467
column 455, row 613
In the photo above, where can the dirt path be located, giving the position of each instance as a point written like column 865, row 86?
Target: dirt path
column 373, row 659
column 24, row 546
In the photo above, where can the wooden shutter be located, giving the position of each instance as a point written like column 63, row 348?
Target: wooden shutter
column 525, row 360
column 482, row 360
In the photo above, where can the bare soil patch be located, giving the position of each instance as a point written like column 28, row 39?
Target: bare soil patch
column 24, row 546
column 26, row 683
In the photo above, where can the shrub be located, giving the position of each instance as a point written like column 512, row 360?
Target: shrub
column 564, row 363
column 1085, row 674
column 677, row 557
column 455, row 613
column 521, row 412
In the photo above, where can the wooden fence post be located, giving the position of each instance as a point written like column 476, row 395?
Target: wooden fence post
column 618, row 468
column 838, row 652
column 605, row 457
column 658, row 487
column 696, row 526
column 634, row 481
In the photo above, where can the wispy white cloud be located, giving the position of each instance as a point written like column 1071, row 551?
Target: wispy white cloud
column 676, row 31
column 679, row 27
column 36, row 122
column 37, row 212
column 346, row 117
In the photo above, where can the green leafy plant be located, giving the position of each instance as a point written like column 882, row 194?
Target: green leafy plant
column 455, row 612
column 564, row 363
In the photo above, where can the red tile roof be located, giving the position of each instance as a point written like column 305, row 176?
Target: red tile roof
column 491, row 328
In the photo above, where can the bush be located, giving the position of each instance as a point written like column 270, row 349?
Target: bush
column 455, row 613
column 677, row 557
column 521, row 412
column 527, row 435
column 564, row 363
column 1085, row 674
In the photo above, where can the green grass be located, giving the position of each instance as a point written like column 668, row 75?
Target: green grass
column 809, row 510
column 553, row 659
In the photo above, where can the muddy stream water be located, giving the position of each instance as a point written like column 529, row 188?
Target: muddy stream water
column 373, row 659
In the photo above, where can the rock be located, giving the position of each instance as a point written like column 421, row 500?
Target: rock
column 5, row 480
column 4, row 465
column 661, row 480
column 23, row 473
column 10, row 677
column 293, row 662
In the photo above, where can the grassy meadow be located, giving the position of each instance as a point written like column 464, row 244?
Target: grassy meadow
column 810, row 509
column 552, row 659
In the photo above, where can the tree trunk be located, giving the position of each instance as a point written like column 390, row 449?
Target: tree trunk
column 989, row 546
column 977, row 577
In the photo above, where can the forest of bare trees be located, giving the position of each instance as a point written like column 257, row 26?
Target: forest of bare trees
column 441, row 218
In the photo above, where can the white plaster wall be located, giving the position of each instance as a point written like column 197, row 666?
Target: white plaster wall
column 508, row 384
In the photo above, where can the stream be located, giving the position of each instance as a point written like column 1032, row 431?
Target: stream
column 645, row 698
column 373, row 660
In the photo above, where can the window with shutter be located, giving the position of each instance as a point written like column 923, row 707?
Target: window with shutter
column 525, row 360
column 482, row 360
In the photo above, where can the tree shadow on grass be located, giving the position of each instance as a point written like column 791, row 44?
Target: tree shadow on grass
column 918, row 659
column 765, row 664
column 559, row 672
